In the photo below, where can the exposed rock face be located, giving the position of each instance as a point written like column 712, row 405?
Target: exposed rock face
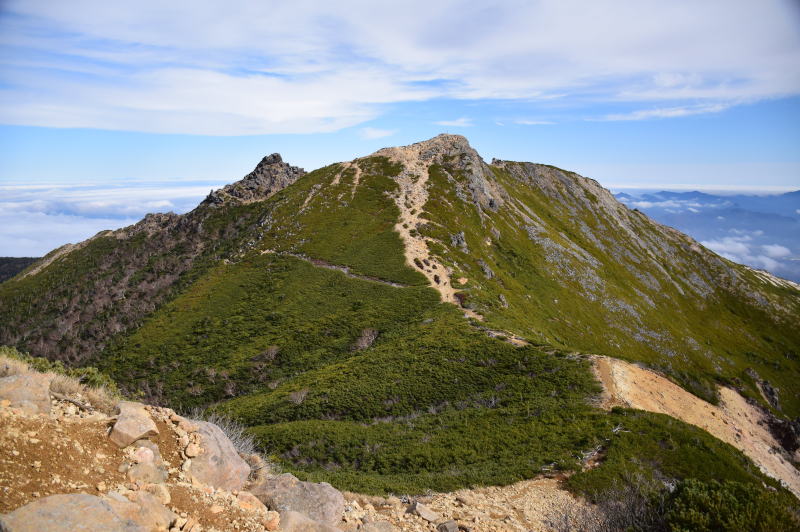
column 218, row 464
column 269, row 176
column 30, row 392
column 321, row 502
column 292, row 521
column 133, row 423
column 54, row 460
column 79, row 511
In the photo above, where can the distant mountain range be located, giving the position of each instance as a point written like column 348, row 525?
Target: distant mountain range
column 757, row 230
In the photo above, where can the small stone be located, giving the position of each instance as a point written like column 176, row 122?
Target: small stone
column 248, row 501
column 15, row 452
column 34, row 441
column 447, row 526
column 101, row 486
column 271, row 521
column 160, row 492
column 37, row 464
column 216, row 508
column 133, row 423
column 417, row 508
column 187, row 425
column 192, row 450
column 143, row 455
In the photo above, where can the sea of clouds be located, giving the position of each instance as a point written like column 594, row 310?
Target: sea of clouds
column 39, row 218
column 762, row 231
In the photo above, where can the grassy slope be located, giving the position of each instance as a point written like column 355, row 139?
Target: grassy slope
column 420, row 408
column 72, row 308
column 604, row 309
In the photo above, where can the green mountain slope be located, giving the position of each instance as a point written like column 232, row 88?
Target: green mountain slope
column 343, row 315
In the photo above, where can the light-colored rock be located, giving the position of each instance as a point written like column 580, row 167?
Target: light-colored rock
column 29, row 392
column 417, row 508
column 133, row 423
column 79, row 512
column 377, row 526
column 143, row 455
column 447, row 526
column 248, row 501
column 147, row 473
column 319, row 501
column 271, row 521
column 159, row 491
column 292, row 521
column 192, row 450
column 218, row 465
column 146, row 509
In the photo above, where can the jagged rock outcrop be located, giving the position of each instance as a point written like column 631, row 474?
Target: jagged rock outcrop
column 268, row 177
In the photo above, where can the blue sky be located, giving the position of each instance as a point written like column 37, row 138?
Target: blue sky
column 108, row 111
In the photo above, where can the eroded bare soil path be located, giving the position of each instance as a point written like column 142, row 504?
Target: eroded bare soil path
column 734, row 421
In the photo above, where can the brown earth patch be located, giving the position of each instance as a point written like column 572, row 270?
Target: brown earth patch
column 70, row 452
column 734, row 421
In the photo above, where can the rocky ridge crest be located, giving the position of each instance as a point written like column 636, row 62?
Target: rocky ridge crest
column 268, row 177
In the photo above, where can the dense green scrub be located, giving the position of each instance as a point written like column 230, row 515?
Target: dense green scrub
column 363, row 378
column 557, row 265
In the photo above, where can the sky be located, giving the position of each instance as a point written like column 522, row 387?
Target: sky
column 109, row 110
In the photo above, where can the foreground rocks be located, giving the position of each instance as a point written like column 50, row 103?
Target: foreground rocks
column 64, row 468
column 29, row 392
column 214, row 460
column 70, row 513
column 285, row 493
column 143, row 469
column 133, row 423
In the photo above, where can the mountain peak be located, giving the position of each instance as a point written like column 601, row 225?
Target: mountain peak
column 270, row 175
column 433, row 149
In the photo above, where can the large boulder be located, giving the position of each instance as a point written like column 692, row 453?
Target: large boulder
column 79, row 512
column 218, row 464
column 296, row 522
column 133, row 423
column 319, row 501
column 29, row 392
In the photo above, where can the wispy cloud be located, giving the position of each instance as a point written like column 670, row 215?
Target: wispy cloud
column 524, row 122
column 776, row 251
column 370, row 133
column 459, row 122
column 665, row 112
column 204, row 68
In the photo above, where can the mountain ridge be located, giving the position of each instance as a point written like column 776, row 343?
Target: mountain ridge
column 330, row 317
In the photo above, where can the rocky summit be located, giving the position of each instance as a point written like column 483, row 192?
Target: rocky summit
column 503, row 337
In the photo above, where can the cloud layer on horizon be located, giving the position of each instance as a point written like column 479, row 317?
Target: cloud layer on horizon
column 240, row 68
column 39, row 218
column 760, row 231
